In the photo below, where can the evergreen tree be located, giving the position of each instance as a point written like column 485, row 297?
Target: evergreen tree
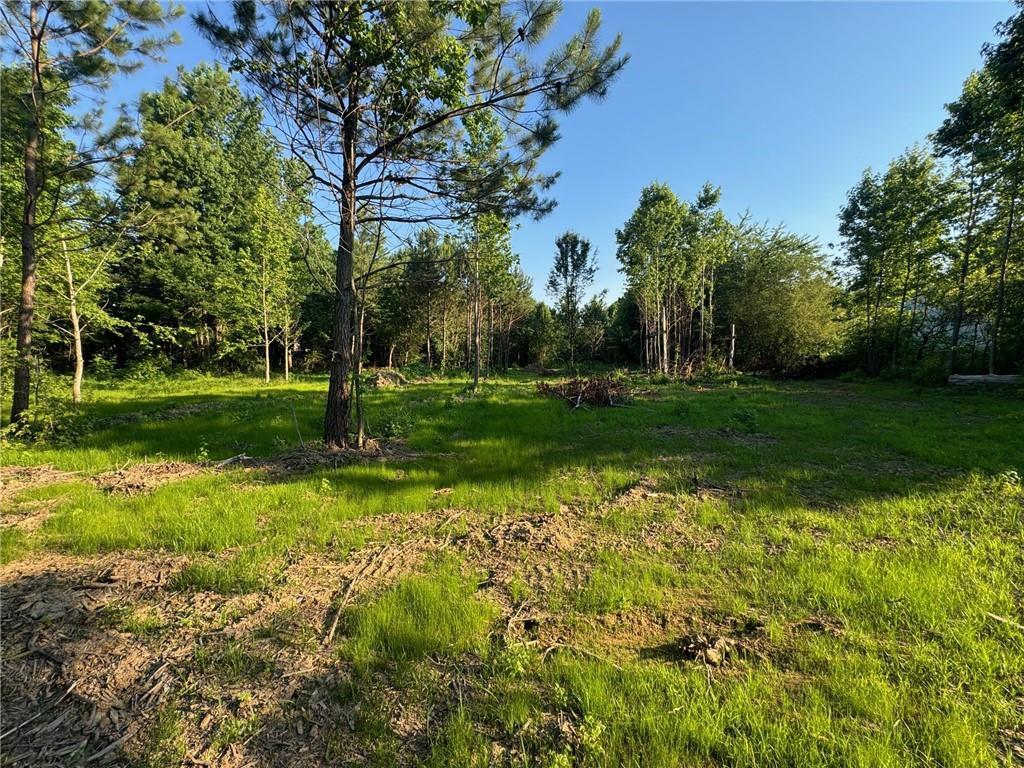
column 204, row 154
column 375, row 116
column 67, row 46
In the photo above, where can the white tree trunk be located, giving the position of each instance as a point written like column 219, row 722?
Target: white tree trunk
column 76, row 329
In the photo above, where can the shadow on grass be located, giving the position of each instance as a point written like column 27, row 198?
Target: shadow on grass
column 509, row 449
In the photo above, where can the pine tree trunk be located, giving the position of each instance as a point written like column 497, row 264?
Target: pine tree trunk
column 469, row 330
column 430, row 358
column 357, row 369
column 490, row 337
column 711, row 311
column 266, row 330
column 476, row 333
column 444, row 334
column 26, row 307
column 663, row 339
column 338, row 391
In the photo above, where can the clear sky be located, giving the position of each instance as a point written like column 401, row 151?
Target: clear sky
column 781, row 104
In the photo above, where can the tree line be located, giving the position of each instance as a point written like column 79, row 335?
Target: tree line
column 348, row 201
column 932, row 246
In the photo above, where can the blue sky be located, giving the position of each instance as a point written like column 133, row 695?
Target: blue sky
column 781, row 104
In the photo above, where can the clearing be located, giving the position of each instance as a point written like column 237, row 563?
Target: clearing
column 731, row 572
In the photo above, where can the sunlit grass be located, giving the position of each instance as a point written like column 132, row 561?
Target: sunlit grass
column 889, row 516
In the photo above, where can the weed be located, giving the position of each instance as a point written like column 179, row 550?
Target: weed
column 163, row 740
column 248, row 571
column 395, row 422
column 746, row 419
column 234, row 730
column 681, row 410
column 459, row 745
column 135, row 621
column 231, row 662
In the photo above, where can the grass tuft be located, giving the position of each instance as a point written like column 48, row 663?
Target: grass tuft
column 437, row 613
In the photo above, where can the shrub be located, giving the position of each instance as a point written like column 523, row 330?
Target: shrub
column 745, row 419
column 55, row 421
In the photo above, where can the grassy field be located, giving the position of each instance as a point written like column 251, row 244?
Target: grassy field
column 732, row 572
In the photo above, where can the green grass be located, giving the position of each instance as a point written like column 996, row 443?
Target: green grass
column 618, row 583
column 863, row 543
column 163, row 741
column 248, row 571
column 134, row 620
column 231, row 661
column 422, row 615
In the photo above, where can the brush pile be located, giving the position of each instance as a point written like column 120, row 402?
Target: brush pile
column 599, row 391
column 386, row 378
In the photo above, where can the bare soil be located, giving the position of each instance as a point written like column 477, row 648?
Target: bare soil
column 84, row 685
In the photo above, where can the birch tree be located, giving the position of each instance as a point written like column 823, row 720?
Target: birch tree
column 571, row 277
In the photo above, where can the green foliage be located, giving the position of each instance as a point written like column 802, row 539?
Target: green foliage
column 776, row 290
column 219, row 267
column 459, row 745
column 395, row 422
column 746, row 419
column 231, row 661
column 571, row 277
column 233, row 730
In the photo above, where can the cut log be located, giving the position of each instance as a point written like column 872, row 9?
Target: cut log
column 961, row 380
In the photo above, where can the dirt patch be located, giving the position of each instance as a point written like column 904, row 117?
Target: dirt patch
column 28, row 517
column 167, row 414
column 749, row 439
column 714, row 644
column 129, row 479
column 133, row 479
column 526, row 560
column 641, row 491
column 312, row 458
column 16, row 480
column 821, row 625
column 97, row 650
column 70, row 682
column 542, row 533
column 83, row 684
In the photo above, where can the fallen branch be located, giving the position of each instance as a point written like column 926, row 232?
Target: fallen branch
column 231, row 460
column 583, row 651
column 1004, row 620
column 41, row 712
